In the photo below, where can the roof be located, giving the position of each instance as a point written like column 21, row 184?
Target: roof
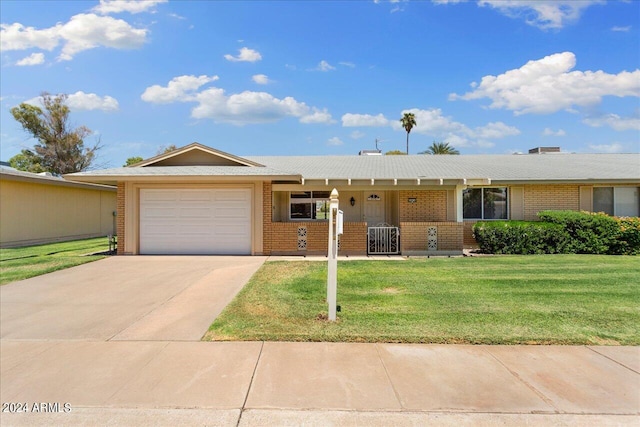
column 506, row 168
column 198, row 162
column 11, row 174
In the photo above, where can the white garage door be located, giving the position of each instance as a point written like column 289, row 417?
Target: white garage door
column 195, row 221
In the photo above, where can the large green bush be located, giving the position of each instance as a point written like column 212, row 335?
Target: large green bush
column 561, row 232
column 591, row 233
column 521, row 237
column 629, row 238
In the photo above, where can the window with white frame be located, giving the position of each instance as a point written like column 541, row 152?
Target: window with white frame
column 485, row 203
column 618, row 201
column 309, row 205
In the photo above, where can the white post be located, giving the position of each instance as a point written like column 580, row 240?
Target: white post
column 332, row 268
column 459, row 202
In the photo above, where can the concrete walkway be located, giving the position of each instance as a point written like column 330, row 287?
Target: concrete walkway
column 148, row 368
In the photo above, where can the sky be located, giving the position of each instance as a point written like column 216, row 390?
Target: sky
column 327, row 77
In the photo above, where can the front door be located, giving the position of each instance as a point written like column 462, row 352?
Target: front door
column 374, row 208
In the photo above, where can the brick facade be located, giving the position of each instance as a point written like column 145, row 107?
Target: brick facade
column 550, row 197
column 430, row 205
column 284, row 238
column 414, row 236
column 120, row 217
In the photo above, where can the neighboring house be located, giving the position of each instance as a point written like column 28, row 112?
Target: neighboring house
column 38, row 208
column 198, row 200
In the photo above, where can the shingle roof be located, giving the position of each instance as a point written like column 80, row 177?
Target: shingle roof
column 528, row 167
column 496, row 168
column 185, row 171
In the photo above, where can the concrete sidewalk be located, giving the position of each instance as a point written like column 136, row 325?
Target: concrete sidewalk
column 256, row 384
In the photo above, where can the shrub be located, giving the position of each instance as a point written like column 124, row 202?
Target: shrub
column 629, row 239
column 521, row 237
column 590, row 233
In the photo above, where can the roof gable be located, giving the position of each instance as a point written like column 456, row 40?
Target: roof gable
column 196, row 154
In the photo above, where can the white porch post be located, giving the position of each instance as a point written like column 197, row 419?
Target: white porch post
column 459, row 211
column 332, row 254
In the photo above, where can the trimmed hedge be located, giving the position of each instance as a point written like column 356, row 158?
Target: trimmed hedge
column 591, row 233
column 566, row 232
column 521, row 237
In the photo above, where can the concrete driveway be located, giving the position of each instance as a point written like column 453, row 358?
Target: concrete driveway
column 171, row 298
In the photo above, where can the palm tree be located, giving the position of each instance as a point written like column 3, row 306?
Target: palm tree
column 440, row 148
column 408, row 121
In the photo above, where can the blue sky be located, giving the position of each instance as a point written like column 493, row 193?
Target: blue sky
column 328, row 77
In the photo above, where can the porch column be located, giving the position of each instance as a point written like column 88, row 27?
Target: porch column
column 459, row 211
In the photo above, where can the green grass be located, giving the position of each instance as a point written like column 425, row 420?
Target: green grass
column 544, row 299
column 22, row 263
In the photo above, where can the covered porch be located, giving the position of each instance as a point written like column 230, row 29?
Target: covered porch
column 408, row 217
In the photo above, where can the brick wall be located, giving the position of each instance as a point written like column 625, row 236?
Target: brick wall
column 284, row 238
column 267, row 214
column 468, row 239
column 550, row 197
column 430, row 205
column 120, row 218
column 413, row 236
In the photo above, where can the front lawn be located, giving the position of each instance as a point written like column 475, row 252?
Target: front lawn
column 22, row 263
column 543, row 299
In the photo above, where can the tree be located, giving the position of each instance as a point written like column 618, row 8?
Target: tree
column 408, row 121
column 133, row 160
column 163, row 149
column 60, row 148
column 395, row 153
column 26, row 161
column 440, row 148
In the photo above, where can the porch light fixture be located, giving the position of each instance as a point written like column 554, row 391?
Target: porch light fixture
column 412, row 199
column 352, row 201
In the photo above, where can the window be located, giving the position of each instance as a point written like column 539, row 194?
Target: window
column 618, row 201
column 309, row 205
column 485, row 203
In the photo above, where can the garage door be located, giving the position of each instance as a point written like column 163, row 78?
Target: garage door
column 195, row 221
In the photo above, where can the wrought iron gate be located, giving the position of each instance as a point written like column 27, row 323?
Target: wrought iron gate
column 383, row 241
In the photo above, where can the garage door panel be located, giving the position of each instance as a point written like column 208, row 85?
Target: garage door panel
column 195, row 196
column 195, row 221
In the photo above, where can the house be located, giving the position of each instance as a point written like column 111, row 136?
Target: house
column 36, row 208
column 198, row 200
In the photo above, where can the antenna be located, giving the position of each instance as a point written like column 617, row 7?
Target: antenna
column 379, row 140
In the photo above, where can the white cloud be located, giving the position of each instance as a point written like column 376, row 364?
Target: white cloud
column 18, row 37
column 82, row 32
column 334, row 141
column 261, row 79
column 434, row 124
column 239, row 109
column 33, row 59
column 364, row 120
column 324, row 66
column 548, row 14
column 621, row 29
column 245, row 55
column 547, row 86
column 494, row 130
column 614, row 121
column 180, row 88
column 551, row 132
column 317, row 116
column 607, row 148
column 91, row 101
column 347, row 64
column 131, row 6
column 356, row 134
column 81, row 101
column 246, row 107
